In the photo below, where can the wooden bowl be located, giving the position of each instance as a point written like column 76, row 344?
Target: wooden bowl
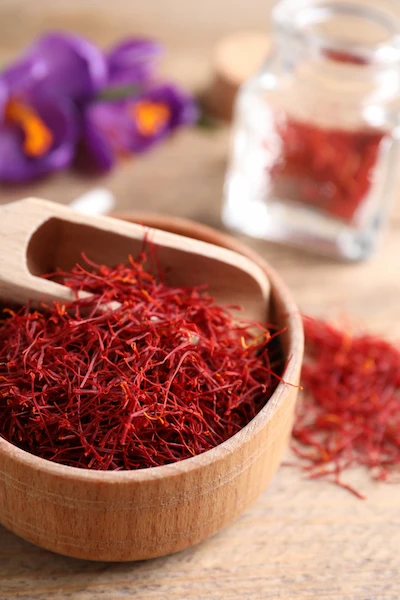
column 124, row 516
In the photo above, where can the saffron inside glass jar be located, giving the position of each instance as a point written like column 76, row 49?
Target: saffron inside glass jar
column 331, row 170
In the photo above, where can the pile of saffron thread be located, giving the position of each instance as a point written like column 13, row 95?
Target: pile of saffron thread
column 163, row 375
column 349, row 412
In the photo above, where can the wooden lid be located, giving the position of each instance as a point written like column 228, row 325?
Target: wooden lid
column 237, row 57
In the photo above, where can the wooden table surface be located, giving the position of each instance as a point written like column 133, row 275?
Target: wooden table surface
column 300, row 539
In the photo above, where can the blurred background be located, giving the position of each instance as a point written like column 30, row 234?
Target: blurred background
column 184, row 175
column 190, row 31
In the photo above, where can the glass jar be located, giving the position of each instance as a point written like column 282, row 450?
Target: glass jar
column 315, row 149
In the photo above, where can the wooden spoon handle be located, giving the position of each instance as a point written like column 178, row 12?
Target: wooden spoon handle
column 18, row 223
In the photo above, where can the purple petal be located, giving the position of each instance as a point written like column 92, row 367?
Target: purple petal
column 182, row 105
column 182, row 110
column 113, row 128
column 59, row 64
column 108, row 130
column 133, row 61
column 3, row 97
column 59, row 118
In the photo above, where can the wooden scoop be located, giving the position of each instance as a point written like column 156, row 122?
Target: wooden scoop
column 37, row 237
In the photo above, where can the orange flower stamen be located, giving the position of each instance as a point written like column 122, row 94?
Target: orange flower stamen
column 38, row 137
column 150, row 117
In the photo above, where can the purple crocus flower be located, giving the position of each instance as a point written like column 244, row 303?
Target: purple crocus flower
column 37, row 135
column 38, row 114
column 61, row 64
column 133, row 61
column 64, row 80
column 119, row 128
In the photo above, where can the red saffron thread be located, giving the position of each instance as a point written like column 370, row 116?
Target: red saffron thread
column 166, row 375
column 349, row 413
column 330, row 169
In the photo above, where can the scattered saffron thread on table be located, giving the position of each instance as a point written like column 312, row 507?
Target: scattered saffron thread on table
column 164, row 375
column 349, row 412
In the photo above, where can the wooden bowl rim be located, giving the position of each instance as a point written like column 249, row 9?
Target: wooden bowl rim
column 295, row 351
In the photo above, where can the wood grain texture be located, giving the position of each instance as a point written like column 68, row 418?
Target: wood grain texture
column 299, row 539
